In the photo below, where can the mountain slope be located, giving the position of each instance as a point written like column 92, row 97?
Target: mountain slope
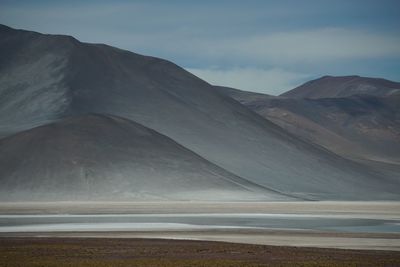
column 343, row 86
column 45, row 78
column 360, row 127
column 97, row 157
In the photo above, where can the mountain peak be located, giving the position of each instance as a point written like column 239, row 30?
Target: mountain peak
column 5, row 28
column 343, row 86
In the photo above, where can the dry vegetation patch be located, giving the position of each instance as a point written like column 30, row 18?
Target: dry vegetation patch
column 66, row 252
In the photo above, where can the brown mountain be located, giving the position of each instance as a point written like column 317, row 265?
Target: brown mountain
column 343, row 86
column 361, row 127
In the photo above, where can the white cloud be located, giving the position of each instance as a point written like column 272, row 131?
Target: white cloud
column 311, row 47
column 300, row 49
column 198, row 36
column 268, row 81
column 192, row 35
column 317, row 45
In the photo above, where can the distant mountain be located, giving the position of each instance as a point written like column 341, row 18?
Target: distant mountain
column 242, row 96
column 48, row 78
column 110, row 158
column 358, row 127
column 343, row 86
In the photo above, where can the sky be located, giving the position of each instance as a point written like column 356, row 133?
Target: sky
column 263, row 46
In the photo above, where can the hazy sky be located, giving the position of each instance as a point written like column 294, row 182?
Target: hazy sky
column 264, row 46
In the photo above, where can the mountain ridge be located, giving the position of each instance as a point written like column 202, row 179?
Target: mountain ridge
column 51, row 78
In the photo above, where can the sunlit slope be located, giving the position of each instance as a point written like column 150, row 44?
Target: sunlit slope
column 97, row 157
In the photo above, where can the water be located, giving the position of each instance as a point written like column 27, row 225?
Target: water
column 173, row 222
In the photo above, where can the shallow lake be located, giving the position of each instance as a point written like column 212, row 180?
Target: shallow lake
column 173, row 222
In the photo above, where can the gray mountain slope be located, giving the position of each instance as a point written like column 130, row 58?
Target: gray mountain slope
column 362, row 127
column 343, row 86
column 244, row 97
column 45, row 78
column 98, row 157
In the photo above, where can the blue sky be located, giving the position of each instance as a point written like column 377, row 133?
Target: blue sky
column 264, row 46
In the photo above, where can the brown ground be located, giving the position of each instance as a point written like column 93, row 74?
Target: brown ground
column 101, row 252
column 357, row 241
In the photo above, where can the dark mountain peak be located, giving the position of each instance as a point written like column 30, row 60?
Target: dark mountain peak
column 6, row 31
column 338, row 77
column 343, row 86
column 4, row 28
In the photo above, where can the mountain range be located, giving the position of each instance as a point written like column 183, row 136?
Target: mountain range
column 91, row 121
column 361, row 126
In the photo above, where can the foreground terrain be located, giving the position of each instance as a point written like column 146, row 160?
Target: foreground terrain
column 154, row 252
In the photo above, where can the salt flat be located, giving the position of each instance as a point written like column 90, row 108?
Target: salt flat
column 390, row 209
column 350, row 225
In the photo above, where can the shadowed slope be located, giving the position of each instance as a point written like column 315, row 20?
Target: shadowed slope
column 98, row 157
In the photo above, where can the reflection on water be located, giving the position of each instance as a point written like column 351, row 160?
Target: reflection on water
column 165, row 222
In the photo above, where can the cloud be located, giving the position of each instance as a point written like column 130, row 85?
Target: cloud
column 314, row 38
column 300, row 49
column 268, row 81
column 221, row 34
column 307, row 48
column 316, row 45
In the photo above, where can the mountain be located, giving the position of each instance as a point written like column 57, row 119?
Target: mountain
column 343, row 86
column 361, row 127
column 48, row 78
column 110, row 158
column 240, row 95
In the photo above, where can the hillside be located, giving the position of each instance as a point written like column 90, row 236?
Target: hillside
column 361, row 127
column 48, row 78
column 97, row 157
